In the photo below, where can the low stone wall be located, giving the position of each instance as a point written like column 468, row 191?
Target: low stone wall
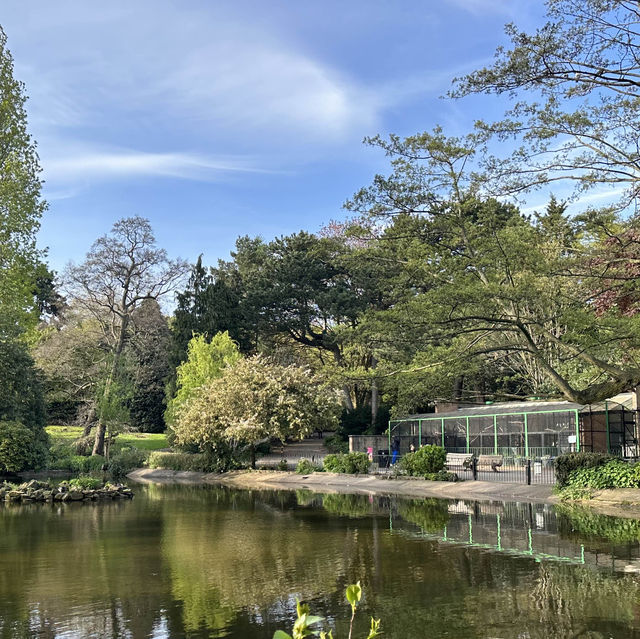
column 360, row 443
column 36, row 491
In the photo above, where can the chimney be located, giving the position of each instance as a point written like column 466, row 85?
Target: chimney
column 446, row 407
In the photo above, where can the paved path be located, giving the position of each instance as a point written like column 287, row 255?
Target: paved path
column 367, row 484
column 311, row 448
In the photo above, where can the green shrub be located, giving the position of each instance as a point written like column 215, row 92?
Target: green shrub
column 283, row 464
column 20, row 449
column 84, row 483
column 613, row 474
column 428, row 460
column 441, row 475
column 306, row 467
column 81, row 464
column 60, row 457
column 179, row 461
column 125, row 460
column 350, row 463
column 567, row 463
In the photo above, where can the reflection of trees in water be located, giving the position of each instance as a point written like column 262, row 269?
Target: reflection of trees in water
column 347, row 505
column 580, row 524
column 253, row 552
column 469, row 593
column 54, row 559
column 205, row 559
column 431, row 515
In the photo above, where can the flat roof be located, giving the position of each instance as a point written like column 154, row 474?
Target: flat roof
column 499, row 408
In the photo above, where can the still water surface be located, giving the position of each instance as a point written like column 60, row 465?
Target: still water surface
column 183, row 561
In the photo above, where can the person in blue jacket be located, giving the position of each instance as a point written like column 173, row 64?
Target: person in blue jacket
column 395, row 449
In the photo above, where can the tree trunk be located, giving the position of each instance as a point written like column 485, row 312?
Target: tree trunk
column 253, row 456
column 98, row 444
column 88, row 425
column 375, row 399
column 346, row 398
column 458, row 387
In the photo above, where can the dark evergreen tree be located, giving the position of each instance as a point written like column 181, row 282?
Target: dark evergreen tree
column 150, row 368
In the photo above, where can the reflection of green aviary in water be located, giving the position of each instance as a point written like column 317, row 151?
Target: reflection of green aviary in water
column 431, row 515
column 576, row 522
column 347, row 505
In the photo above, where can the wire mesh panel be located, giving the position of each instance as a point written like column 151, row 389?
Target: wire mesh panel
column 431, row 432
column 551, row 434
column 482, row 435
column 510, row 434
column 609, row 427
column 455, row 434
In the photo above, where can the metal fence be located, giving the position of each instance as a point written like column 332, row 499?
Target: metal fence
column 513, row 469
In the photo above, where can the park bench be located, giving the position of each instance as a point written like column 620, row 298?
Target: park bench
column 490, row 461
column 456, row 460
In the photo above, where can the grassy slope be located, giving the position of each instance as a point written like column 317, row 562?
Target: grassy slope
column 144, row 441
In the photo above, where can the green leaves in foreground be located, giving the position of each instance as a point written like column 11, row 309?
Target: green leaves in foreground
column 302, row 626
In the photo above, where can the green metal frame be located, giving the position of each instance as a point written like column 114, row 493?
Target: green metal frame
column 494, row 416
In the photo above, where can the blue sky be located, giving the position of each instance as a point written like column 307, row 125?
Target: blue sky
column 219, row 119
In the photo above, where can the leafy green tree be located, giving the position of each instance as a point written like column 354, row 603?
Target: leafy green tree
column 308, row 290
column 21, row 205
column 120, row 272
column 493, row 283
column 211, row 303
column 255, row 399
column 72, row 355
column 578, row 77
column 206, row 361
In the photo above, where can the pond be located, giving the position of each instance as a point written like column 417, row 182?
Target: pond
column 180, row 561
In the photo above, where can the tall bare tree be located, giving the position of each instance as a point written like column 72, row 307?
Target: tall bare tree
column 121, row 270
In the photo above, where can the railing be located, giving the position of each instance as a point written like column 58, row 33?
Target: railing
column 513, row 469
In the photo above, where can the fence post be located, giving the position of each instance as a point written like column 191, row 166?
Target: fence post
column 474, row 467
column 468, row 434
column 528, row 472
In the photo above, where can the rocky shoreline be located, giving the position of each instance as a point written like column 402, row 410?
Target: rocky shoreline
column 38, row 491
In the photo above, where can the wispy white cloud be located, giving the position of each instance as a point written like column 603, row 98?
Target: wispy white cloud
column 203, row 70
column 602, row 196
column 102, row 165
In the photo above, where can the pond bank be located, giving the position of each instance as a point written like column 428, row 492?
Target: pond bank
column 621, row 502
column 364, row 484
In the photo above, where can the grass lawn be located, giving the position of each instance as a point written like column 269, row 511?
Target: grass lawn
column 144, row 441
